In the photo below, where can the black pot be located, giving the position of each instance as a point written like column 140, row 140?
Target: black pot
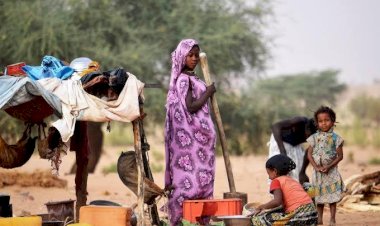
column 61, row 210
column 6, row 211
column 104, row 203
column 4, row 200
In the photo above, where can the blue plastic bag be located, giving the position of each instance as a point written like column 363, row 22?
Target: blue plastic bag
column 50, row 67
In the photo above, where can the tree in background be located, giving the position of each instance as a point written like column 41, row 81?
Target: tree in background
column 298, row 94
column 142, row 34
column 363, row 129
column 139, row 36
column 33, row 29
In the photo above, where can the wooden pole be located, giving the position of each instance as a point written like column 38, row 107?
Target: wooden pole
column 140, row 172
column 79, row 143
column 80, row 182
column 145, row 147
column 222, row 136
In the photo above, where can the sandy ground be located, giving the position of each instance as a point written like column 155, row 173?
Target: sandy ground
column 249, row 173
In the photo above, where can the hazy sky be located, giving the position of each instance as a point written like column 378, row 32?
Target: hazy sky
column 320, row 34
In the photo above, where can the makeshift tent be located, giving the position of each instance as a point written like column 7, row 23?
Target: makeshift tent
column 33, row 101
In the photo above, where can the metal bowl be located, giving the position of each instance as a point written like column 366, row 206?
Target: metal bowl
column 81, row 63
column 238, row 220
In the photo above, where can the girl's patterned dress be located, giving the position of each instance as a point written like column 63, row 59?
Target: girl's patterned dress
column 190, row 145
column 329, row 186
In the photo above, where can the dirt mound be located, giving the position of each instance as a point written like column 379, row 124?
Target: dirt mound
column 37, row 178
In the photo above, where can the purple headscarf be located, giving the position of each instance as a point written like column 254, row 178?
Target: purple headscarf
column 178, row 62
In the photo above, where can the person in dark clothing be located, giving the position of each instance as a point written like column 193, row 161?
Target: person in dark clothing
column 287, row 138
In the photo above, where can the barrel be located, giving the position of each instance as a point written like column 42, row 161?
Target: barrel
column 105, row 215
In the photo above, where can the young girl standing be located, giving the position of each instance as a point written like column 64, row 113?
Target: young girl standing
column 297, row 206
column 189, row 133
column 324, row 153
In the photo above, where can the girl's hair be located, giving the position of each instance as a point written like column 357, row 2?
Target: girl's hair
column 324, row 109
column 282, row 163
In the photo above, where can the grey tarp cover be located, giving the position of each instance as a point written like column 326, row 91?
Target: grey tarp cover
column 18, row 90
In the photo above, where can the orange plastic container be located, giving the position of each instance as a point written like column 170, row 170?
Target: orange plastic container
column 193, row 209
column 105, row 215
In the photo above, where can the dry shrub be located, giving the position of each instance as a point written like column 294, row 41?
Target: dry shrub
column 37, row 178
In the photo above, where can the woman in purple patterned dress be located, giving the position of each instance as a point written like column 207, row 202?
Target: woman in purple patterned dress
column 189, row 132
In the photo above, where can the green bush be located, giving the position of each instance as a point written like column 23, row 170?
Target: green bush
column 359, row 134
column 158, row 156
column 110, row 169
column 156, row 168
column 351, row 158
column 366, row 109
column 120, row 134
column 376, row 138
column 374, row 161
